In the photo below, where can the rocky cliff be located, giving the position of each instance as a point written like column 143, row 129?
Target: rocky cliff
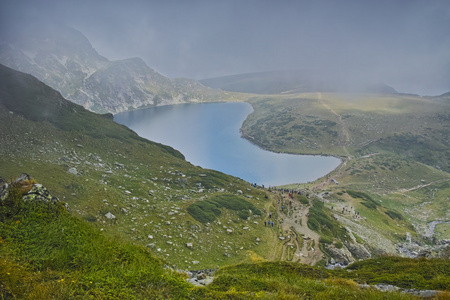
column 63, row 58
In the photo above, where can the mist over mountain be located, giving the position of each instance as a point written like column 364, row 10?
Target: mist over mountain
column 63, row 58
column 293, row 81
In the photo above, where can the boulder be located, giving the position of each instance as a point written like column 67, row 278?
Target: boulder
column 4, row 190
column 39, row 193
column 110, row 216
column 73, row 171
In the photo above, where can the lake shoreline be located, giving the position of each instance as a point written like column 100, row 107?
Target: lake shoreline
column 209, row 135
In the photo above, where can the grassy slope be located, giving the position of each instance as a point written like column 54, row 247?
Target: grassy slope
column 398, row 146
column 48, row 253
column 144, row 184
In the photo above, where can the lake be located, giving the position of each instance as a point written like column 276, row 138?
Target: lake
column 208, row 135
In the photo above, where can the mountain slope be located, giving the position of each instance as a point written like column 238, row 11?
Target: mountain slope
column 100, row 167
column 63, row 58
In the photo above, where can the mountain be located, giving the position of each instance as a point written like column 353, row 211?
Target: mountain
column 293, row 81
column 63, row 58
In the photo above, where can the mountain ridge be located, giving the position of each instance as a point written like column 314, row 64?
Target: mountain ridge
column 63, row 58
column 292, row 81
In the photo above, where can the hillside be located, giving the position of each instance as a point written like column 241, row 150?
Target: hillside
column 100, row 167
column 64, row 59
column 282, row 82
column 136, row 206
column 395, row 150
column 47, row 253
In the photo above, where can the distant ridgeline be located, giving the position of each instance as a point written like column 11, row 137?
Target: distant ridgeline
column 294, row 81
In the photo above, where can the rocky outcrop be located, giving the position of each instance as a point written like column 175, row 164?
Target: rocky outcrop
column 64, row 59
column 36, row 192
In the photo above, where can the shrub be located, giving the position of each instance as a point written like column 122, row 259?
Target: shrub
column 394, row 215
column 207, row 210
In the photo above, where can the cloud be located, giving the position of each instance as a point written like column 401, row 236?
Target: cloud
column 402, row 43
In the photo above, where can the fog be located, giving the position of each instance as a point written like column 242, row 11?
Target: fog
column 405, row 44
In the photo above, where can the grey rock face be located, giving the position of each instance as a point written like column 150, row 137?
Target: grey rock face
column 64, row 59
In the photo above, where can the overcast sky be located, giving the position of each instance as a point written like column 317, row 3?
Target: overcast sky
column 405, row 44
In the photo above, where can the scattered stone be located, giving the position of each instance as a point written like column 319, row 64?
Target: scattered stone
column 190, row 245
column 73, row 171
column 150, row 236
column 110, row 216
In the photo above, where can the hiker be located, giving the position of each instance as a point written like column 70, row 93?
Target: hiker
column 265, row 223
column 270, row 215
column 272, row 224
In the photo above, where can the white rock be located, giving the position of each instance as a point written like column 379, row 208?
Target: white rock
column 110, row 216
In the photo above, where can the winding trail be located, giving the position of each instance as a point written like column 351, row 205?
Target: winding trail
column 344, row 134
column 294, row 222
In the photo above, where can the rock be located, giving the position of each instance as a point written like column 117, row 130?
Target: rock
column 119, row 165
column 342, row 256
column 39, row 193
column 151, row 245
column 358, row 251
column 23, row 177
column 229, row 231
column 258, row 239
column 150, row 236
column 201, row 276
column 190, row 245
column 73, row 171
column 195, row 262
column 110, row 216
column 4, row 190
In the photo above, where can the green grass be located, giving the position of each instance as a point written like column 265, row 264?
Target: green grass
column 144, row 184
column 319, row 220
column 209, row 210
column 48, row 253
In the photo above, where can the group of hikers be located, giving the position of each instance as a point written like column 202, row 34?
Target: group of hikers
column 268, row 223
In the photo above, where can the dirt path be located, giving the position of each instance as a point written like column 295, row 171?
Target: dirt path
column 421, row 186
column 295, row 219
column 344, row 134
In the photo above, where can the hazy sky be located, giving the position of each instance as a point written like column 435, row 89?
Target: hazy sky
column 403, row 43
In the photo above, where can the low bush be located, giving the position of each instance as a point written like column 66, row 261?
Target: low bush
column 207, row 210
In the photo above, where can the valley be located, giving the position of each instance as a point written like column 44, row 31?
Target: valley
column 130, row 190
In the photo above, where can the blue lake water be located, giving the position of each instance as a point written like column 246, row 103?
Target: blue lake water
column 208, row 136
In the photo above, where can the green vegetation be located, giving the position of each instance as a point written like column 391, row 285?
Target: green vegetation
column 320, row 221
column 402, row 272
column 367, row 200
column 47, row 253
column 100, row 167
column 208, row 210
